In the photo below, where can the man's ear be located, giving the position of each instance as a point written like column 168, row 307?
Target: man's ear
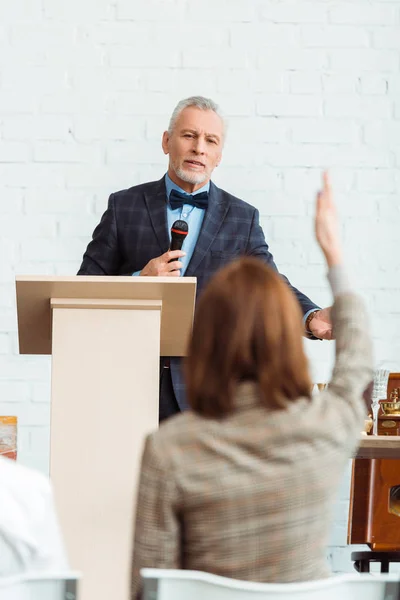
column 165, row 140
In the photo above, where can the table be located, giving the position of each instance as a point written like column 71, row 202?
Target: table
column 378, row 446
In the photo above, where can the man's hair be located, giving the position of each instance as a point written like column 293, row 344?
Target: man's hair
column 198, row 102
column 248, row 326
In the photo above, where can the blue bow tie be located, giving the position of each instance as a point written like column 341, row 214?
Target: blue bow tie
column 178, row 199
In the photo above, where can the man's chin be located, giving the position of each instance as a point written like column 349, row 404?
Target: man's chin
column 195, row 178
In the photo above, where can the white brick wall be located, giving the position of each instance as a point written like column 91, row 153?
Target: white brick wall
column 86, row 89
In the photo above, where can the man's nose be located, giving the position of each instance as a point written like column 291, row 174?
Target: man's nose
column 199, row 146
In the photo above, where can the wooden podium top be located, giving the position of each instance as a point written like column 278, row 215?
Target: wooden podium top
column 379, row 446
column 36, row 293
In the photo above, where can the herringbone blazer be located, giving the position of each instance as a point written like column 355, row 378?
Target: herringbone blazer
column 134, row 230
column 250, row 496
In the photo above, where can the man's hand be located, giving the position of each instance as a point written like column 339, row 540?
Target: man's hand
column 162, row 267
column 321, row 325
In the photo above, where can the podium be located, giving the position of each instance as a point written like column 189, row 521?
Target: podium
column 105, row 335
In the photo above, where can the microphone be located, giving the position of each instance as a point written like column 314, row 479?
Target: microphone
column 179, row 231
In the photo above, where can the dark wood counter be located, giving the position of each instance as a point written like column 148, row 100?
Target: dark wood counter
column 379, row 446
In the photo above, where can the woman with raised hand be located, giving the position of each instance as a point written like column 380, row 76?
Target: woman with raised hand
column 244, row 484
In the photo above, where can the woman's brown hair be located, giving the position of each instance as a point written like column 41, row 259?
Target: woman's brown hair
column 248, row 326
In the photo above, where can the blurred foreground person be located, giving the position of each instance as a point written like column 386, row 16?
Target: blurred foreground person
column 30, row 538
column 244, row 485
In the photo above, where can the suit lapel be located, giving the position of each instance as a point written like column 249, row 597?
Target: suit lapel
column 215, row 214
column 156, row 202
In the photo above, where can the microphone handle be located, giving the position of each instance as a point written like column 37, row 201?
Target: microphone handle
column 176, row 243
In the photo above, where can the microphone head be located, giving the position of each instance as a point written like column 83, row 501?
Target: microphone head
column 180, row 227
column 179, row 231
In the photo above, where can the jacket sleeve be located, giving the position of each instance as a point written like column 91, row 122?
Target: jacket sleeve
column 102, row 256
column 257, row 246
column 157, row 529
column 342, row 402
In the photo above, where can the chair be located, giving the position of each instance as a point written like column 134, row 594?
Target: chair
column 42, row 586
column 163, row 584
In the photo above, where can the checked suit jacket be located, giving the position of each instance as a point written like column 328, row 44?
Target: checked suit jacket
column 133, row 230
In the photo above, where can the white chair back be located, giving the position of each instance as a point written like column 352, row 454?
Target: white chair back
column 31, row 586
column 164, row 584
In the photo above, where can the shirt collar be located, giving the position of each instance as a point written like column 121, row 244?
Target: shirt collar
column 170, row 185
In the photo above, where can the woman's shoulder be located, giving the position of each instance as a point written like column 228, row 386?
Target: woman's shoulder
column 176, row 427
column 174, row 434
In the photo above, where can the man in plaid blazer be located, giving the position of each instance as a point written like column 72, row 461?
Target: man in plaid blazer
column 133, row 235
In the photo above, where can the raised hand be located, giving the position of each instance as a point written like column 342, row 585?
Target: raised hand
column 327, row 234
column 327, row 225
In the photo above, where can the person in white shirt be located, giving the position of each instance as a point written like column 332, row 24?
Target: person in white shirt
column 30, row 537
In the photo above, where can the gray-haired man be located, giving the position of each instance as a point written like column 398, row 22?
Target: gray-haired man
column 133, row 235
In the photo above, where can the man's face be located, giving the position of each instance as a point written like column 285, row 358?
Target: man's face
column 194, row 147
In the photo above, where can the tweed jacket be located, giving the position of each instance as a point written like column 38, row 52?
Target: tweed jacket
column 250, row 496
column 134, row 230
